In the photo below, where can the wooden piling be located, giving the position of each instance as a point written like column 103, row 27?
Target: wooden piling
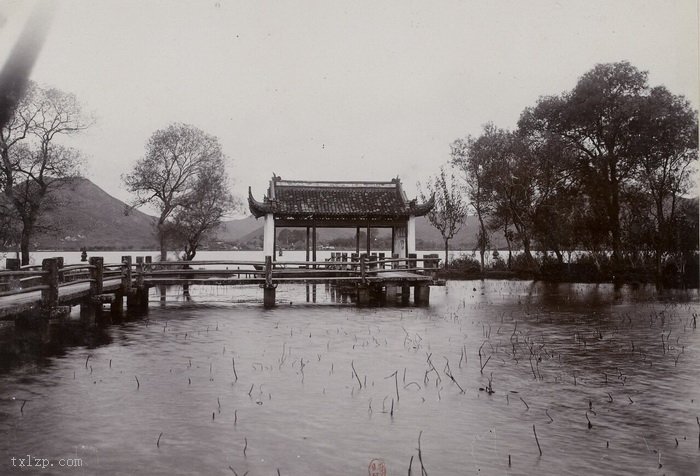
column 363, row 295
column 269, row 289
column 421, row 295
column 49, row 295
column 405, row 294
column 392, row 291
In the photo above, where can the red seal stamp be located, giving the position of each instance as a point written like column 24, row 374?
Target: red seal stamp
column 377, row 468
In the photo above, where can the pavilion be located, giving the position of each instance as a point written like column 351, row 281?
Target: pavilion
column 321, row 204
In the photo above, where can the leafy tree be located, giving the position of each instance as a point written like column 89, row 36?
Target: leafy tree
column 548, row 167
column 665, row 148
column 450, row 210
column 32, row 164
column 170, row 175
column 631, row 145
column 596, row 120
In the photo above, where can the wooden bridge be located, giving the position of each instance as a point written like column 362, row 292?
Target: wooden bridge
column 50, row 289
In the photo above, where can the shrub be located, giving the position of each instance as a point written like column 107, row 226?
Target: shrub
column 465, row 264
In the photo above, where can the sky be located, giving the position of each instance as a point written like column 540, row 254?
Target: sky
column 331, row 90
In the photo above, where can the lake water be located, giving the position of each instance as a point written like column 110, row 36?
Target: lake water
column 314, row 385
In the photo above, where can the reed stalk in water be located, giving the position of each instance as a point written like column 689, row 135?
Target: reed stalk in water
column 536, row 439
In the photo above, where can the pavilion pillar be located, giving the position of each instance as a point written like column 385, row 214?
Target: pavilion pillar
column 313, row 256
column 308, row 250
column 357, row 240
column 369, row 241
column 274, row 243
column 398, row 244
column 411, row 235
column 269, row 235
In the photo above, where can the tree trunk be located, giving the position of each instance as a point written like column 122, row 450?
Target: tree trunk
column 506, row 234
column 614, row 217
column 560, row 256
column 526, row 251
column 24, row 245
column 482, row 237
column 163, row 243
column 657, row 262
column 447, row 241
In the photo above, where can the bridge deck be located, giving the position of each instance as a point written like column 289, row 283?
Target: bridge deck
column 70, row 294
column 67, row 294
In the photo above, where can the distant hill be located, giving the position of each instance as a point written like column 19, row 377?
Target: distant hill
column 235, row 230
column 86, row 215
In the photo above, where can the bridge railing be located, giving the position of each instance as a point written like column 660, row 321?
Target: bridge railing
column 21, row 281
column 338, row 266
column 200, row 269
column 341, row 265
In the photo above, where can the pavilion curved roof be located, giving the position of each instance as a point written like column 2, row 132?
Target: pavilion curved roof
column 319, row 200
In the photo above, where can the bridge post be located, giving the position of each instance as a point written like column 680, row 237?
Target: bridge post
column 421, row 295
column 269, row 289
column 363, row 291
column 126, row 274
column 137, row 298
column 92, row 303
column 405, row 294
column 363, row 295
column 96, row 275
column 141, row 288
column 117, row 306
column 59, row 263
column 412, row 261
column 392, row 290
column 431, row 261
column 49, row 295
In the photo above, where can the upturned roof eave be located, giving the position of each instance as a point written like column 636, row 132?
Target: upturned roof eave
column 422, row 209
column 258, row 209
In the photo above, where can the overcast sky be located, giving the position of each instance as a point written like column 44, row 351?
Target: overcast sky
column 331, row 90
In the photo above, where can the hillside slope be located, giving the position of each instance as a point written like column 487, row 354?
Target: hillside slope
column 86, row 215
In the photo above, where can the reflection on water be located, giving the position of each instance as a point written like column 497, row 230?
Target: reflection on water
column 309, row 389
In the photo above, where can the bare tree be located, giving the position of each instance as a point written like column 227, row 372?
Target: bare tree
column 450, row 210
column 168, row 175
column 32, row 164
column 202, row 212
column 474, row 169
